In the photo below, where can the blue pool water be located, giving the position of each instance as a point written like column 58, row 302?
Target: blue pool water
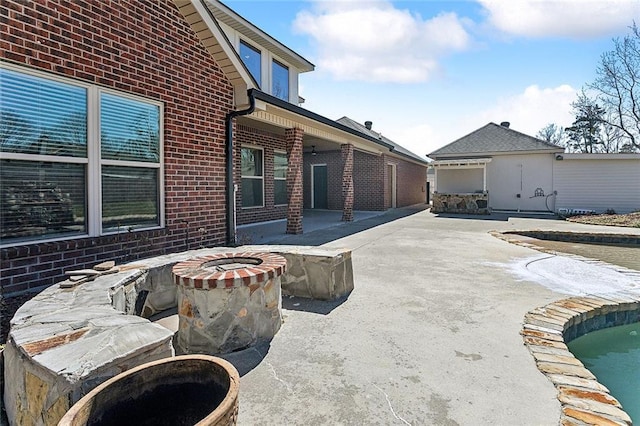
column 613, row 356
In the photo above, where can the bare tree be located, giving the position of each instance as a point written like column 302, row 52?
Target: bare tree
column 552, row 133
column 617, row 85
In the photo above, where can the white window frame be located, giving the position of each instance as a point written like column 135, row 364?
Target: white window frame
column 93, row 160
column 259, row 148
column 279, row 152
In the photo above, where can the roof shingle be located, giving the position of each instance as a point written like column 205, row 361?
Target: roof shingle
column 346, row 121
column 493, row 138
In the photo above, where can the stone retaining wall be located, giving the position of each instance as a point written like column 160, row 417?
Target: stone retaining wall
column 580, row 237
column 66, row 341
column 547, row 330
column 461, row 203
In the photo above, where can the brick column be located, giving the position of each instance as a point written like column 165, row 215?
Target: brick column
column 347, row 182
column 294, row 180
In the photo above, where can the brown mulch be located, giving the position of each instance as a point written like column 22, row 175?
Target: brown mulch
column 630, row 220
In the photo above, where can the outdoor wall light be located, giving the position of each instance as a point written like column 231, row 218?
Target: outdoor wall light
column 313, row 150
column 559, row 157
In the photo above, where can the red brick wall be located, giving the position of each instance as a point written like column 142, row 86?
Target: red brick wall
column 294, row 180
column 270, row 142
column 146, row 48
column 411, row 181
column 368, row 181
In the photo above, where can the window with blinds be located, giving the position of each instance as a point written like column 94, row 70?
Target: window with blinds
column 75, row 159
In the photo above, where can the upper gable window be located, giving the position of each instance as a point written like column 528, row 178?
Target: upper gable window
column 252, row 59
column 280, row 76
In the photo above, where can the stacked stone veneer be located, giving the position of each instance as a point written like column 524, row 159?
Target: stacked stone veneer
column 546, row 332
column 227, row 310
column 314, row 272
column 461, row 203
column 64, row 342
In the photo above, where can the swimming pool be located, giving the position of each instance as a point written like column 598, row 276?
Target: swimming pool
column 613, row 356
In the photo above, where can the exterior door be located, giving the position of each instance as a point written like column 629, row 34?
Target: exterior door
column 319, row 186
column 391, row 185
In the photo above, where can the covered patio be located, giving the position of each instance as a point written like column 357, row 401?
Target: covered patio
column 461, row 186
column 312, row 220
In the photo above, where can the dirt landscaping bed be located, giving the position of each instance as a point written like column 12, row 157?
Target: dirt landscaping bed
column 631, row 220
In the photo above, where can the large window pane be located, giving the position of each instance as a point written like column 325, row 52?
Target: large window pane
column 41, row 116
column 252, row 177
column 252, row 193
column 252, row 60
column 129, row 129
column 280, row 192
column 279, row 165
column 129, row 198
column 280, row 75
column 280, row 178
column 41, row 199
column 251, row 162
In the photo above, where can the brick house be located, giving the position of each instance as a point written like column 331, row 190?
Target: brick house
column 125, row 128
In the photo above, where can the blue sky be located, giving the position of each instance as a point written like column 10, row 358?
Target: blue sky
column 428, row 72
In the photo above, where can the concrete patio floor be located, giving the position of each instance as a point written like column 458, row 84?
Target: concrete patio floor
column 429, row 336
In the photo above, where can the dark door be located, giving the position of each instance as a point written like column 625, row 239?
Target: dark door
column 320, row 187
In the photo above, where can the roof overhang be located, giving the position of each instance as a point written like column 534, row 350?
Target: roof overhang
column 284, row 115
column 205, row 26
column 225, row 14
column 462, row 163
column 494, row 153
column 612, row 156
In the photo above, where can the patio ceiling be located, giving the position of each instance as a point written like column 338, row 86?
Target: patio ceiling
column 461, row 163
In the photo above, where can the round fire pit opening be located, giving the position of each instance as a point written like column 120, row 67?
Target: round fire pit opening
column 228, row 301
column 182, row 390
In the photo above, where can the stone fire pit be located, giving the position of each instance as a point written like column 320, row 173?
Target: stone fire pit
column 228, row 301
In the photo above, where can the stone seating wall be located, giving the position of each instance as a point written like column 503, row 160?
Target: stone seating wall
column 66, row 341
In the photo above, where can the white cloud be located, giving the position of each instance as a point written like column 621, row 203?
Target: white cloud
column 562, row 18
column 373, row 41
column 527, row 112
column 531, row 110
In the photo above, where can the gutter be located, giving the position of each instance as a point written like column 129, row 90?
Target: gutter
column 230, row 185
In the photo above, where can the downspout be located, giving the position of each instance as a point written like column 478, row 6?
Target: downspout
column 231, row 193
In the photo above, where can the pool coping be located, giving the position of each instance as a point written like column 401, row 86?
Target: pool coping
column 546, row 331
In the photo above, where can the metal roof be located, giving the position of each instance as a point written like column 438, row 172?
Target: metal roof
column 494, row 138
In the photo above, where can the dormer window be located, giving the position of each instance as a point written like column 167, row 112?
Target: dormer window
column 252, row 60
column 280, row 77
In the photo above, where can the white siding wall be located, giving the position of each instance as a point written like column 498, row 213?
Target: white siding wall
column 459, row 180
column 510, row 175
column 598, row 184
